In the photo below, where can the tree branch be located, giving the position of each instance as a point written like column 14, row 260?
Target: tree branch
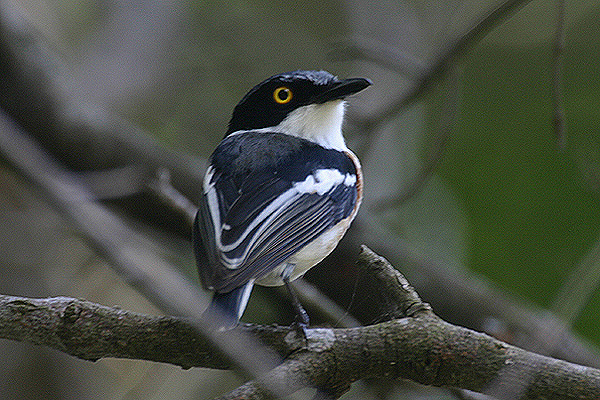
column 420, row 347
column 90, row 331
column 475, row 301
column 425, row 74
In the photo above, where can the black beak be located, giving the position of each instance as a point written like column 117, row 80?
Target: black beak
column 341, row 89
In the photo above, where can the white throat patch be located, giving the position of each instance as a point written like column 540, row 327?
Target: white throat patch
column 319, row 123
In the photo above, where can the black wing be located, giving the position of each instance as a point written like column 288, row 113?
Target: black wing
column 251, row 221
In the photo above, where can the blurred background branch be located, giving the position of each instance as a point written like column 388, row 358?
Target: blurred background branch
column 131, row 255
column 426, row 74
column 558, row 118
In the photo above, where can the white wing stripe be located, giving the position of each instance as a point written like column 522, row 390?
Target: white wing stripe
column 321, row 181
column 215, row 213
column 207, row 184
column 266, row 215
column 265, row 218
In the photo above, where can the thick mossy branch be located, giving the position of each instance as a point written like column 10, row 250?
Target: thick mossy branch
column 91, row 331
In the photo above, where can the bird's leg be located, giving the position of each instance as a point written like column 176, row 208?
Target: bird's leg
column 301, row 315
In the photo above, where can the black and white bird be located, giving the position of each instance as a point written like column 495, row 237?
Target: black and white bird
column 280, row 191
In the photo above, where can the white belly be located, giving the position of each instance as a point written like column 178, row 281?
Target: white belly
column 308, row 256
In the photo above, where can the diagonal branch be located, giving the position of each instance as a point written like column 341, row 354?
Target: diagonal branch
column 127, row 252
column 472, row 299
column 435, row 154
column 426, row 76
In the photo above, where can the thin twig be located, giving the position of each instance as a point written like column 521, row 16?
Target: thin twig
column 114, row 183
column 367, row 49
column 558, row 117
column 437, row 68
column 164, row 189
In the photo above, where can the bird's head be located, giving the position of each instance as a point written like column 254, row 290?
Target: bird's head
column 306, row 104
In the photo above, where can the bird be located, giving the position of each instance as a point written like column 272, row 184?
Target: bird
column 280, row 191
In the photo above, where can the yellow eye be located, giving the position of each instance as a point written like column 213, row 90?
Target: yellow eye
column 282, row 95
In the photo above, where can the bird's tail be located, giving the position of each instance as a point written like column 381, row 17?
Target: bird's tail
column 226, row 309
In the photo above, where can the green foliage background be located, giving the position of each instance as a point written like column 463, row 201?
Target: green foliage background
column 533, row 210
